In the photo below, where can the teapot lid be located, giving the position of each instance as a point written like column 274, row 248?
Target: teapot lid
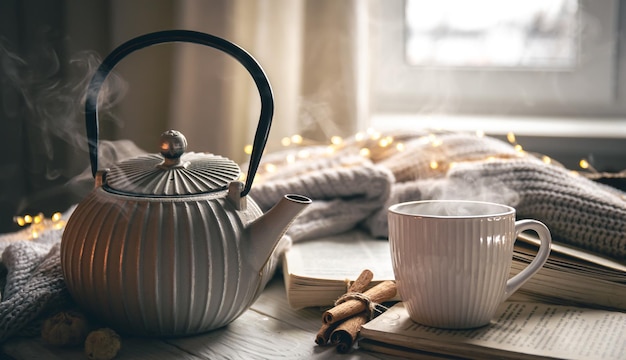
column 173, row 172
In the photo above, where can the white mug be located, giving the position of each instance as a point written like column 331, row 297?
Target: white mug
column 452, row 259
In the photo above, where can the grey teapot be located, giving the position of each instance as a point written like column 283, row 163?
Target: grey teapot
column 170, row 244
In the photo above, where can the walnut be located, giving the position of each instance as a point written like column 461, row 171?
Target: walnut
column 102, row 344
column 66, row 328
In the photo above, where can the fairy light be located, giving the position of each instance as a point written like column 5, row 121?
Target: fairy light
column 370, row 143
column 296, row 139
column 37, row 224
column 434, row 141
column 584, row 164
column 247, row 149
column 336, row 140
column 57, row 221
column 386, row 141
column 511, row 138
column 373, row 134
column 373, row 144
column 19, row 220
column 270, row 168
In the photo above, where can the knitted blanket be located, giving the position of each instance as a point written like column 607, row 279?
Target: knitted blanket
column 31, row 281
column 352, row 185
column 350, row 189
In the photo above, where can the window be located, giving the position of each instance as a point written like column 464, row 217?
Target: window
column 531, row 34
column 539, row 68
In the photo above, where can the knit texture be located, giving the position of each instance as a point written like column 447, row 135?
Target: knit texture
column 33, row 284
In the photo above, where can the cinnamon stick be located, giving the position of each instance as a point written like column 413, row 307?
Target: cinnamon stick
column 384, row 291
column 346, row 333
column 361, row 282
column 324, row 333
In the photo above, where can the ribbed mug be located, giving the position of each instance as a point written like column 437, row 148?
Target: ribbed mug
column 452, row 259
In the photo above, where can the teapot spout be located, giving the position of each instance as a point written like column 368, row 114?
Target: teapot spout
column 266, row 231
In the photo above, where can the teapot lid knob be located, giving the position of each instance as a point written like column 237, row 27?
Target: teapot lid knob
column 173, row 146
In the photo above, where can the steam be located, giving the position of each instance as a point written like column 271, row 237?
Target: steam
column 452, row 208
column 469, row 184
column 49, row 96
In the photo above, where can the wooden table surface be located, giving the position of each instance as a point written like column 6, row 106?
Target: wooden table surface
column 269, row 330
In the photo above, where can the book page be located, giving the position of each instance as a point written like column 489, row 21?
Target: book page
column 341, row 257
column 533, row 329
column 317, row 272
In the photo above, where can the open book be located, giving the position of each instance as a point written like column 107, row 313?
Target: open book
column 571, row 276
column 316, row 271
column 520, row 330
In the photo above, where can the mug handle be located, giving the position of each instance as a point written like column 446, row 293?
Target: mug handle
column 540, row 259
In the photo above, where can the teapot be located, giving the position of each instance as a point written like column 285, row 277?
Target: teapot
column 170, row 244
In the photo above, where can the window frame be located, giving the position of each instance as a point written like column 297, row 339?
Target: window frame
column 591, row 90
column 593, row 128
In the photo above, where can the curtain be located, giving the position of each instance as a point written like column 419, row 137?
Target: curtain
column 308, row 48
column 308, row 51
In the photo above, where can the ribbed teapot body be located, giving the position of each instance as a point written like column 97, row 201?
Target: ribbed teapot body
column 160, row 266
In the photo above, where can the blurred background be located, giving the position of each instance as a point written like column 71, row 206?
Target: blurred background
column 549, row 71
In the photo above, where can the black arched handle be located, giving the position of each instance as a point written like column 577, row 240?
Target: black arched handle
column 255, row 70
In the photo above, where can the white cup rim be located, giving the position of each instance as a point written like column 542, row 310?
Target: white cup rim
column 401, row 209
